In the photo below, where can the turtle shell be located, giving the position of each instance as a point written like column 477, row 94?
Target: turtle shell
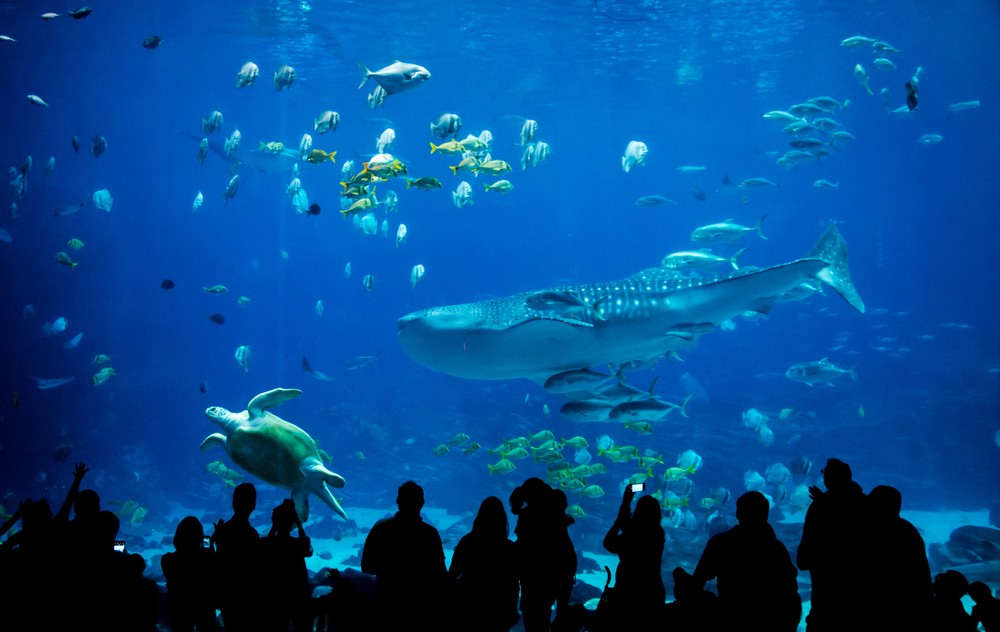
column 271, row 449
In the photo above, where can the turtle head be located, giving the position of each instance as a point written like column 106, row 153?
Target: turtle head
column 222, row 417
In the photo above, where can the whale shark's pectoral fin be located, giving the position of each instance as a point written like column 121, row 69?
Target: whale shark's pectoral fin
column 273, row 398
column 317, row 478
column 213, row 440
column 565, row 319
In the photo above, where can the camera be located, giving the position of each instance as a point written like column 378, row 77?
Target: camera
column 637, row 487
column 120, row 546
column 206, row 541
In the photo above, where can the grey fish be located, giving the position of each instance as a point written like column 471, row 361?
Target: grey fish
column 396, row 77
column 821, row 371
column 98, row 146
column 587, row 410
column 652, row 409
column 577, row 380
column 647, row 315
column 653, row 200
column 446, row 125
column 68, row 210
column 361, row 361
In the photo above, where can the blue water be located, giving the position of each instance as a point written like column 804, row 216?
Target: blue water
column 691, row 80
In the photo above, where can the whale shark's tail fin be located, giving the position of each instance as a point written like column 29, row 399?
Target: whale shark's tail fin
column 832, row 249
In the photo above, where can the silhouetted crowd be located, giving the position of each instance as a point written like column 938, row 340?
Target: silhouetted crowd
column 868, row 569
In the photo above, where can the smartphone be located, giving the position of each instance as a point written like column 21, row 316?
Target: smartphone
column 206, row 541
column 120, row 546
column 637, row 487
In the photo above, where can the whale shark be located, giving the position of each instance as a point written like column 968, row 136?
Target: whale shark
column 536, row 335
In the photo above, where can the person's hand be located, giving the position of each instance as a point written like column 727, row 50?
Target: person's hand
column 22, row 506
column 628, row 495
column 218, row 525
column 81, row 469
column 815, row 492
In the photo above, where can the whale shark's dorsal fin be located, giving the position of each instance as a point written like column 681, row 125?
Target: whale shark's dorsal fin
column 832, row 249
column 273, row 398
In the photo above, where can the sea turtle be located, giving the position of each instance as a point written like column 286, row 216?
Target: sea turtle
column 275, row 451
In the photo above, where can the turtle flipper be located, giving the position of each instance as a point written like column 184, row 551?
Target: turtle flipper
column 317, row 477
column 213, row 440
column 273, row 398
column 301, row 497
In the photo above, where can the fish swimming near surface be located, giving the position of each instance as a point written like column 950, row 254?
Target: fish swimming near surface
column 640, row 318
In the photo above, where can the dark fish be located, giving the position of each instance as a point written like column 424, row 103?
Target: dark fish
column 81, row 13
column 801, row 465
column 72, row 208
column 167, row 284
column 218, row 319
column 911, row 96
column 76, row 144
column 98, row 146
column 62, row 451
column 203, row 387
column 152, row 42
column 313, row 209
column 698, row 193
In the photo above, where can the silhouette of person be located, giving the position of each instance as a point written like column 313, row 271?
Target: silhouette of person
column 486, row 581
column 832, row 549
column 564, row 556
column 236, row 543
column 693, row 608
column 638, row 540
column 899, row 561
column 545, row 557
column 286, row 580
column 947, row 611
column 115, row 596
column 191, row 572
column 756, row 580
column 406, row 557
column 987, row 608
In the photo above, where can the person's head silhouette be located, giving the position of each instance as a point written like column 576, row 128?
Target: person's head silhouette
column 491, row 521
column 189, row 534
column 244, row 499
column 885, row 502
column 836, row 475
column 410, row 498
column 87, row 504
column 751, row 509
column 647, row 513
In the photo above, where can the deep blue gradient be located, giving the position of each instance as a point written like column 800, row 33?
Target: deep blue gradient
column 692, row 81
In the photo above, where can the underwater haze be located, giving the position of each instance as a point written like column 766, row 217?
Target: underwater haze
column 911, row 191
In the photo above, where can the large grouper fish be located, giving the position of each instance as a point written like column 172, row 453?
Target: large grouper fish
column 649, row 314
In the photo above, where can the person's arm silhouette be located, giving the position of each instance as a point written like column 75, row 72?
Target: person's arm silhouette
column 78, row 473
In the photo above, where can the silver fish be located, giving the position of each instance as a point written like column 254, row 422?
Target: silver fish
column 396, row 77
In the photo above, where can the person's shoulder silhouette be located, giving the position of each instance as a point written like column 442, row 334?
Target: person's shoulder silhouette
column 756, row 578
column 407, row 558
column 191, row 573
column 987, row 608
column 487, row 586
